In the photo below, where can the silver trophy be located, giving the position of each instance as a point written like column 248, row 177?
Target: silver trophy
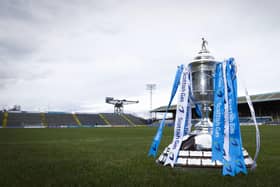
column 202, row 72
column 196, row 147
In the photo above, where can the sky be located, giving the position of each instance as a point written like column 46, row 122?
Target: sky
column 68, row 55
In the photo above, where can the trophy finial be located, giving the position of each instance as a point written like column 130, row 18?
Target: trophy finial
column 204, row 53
column 203, row 45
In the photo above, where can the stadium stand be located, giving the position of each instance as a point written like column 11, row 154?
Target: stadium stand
column 260, row 120
column 43, row 118
column 60, row 119
column 77, row 119
column 19, row 119
column 90, row 119
column 5, row 118
column 116, row 119
column 267, row 108
column 128, row 120
column 245, row 119
column 23, row 119
column 135, row 120
column 1, row 119
column 104, row 119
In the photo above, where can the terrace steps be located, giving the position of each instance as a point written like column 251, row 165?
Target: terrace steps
column 128, row 120
column 76, row 119
column 43, row 119
column 5, row 119
column 104, row 119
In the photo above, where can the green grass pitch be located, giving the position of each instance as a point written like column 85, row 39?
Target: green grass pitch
column 118, row 157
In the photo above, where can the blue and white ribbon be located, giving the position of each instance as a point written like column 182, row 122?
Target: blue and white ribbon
column 226, row 127
column 181, row 126
column 157, row 138
column 188, row 122
column 236, row 163
column 218, row 115
column 253, row 115
column 258, row 138
column 226, row 114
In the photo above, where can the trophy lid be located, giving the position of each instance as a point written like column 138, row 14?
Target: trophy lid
column 204, row 53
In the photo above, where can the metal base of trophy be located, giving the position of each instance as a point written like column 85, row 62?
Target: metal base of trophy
column 195, row 152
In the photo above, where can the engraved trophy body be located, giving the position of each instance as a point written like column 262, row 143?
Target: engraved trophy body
column 202, row 73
